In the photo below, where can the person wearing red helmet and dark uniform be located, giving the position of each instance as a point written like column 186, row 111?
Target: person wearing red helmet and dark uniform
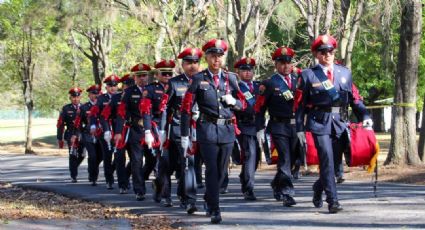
column 277, row 96
column 67, row 118
column 90, row 142
column 324, row 93
column 179, row 160
column 152, row 108
column 106, row 136
column 246, row 124
column 128, row 112
column 217, row 94
column 108, row 118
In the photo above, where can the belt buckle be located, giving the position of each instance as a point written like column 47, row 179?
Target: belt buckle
column 292, row 121
column 140, row 122
column 221, row 121
column 335, row 109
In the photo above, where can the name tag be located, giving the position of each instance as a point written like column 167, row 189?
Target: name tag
column 287, row 95
column 247, row 95
column 105, row 103
column 204, row 83
column 135, row 96
column 159, row 91
column 327, row 84
column 70, row 111
column 316, row 85
column 181, row 89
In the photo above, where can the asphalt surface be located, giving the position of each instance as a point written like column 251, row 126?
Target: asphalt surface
column 392, row 206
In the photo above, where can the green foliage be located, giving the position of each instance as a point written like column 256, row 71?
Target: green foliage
column 59, row 65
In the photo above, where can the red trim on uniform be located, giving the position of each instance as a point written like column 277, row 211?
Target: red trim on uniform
column 235, row 125
column 60, row 121
column 121, row 144
column 94, row 111
column 145, row 106
column 77, row 122
column 259, row 103
column 187, row 103
column 356, row 95
column 106, row 112
column 298, row 99
column 163, row 103
column 242, row 98
column 121, row 110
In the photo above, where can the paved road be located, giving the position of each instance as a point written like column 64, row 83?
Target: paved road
column 396, row 205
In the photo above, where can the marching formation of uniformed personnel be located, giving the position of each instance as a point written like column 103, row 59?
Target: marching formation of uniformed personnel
column 181, row 160
column 174, row 121
column 66, row 119
column 324, row 94
column 103, row 100
column 90, row 141
column 128, row 112
column 217, row 95
column 247, row 126
column 277, row 96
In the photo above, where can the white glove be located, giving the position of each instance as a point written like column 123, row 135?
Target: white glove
column 162, row 135
column 260, row 136
column 368, row 123
column 149, row 139
column 301, row 137
column 107, row 136
column 229, row 99
column 195, row 115
column 185, row 143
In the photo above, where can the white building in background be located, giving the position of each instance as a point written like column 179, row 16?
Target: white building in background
column 386, row 114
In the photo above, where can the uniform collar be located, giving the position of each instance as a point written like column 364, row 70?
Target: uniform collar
column 92, row 103
column 325, row 68
column 246, row 83
column 219, row 73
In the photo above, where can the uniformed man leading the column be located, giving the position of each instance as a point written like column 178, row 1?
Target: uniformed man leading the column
column 217, row 94
column 324, row 94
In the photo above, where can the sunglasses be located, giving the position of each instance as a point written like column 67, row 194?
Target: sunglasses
column 324, row 52
column 167, row 73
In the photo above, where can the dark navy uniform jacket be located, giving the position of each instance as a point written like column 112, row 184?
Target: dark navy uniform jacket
column 128, row 111
column 108, row 115
column 153, row 105
column 314, row 99
column 67, row 118
column 246, row 119
column 177, row 87
column 275, row 98
column 208, row 98
column 84, row 126
column 102, row 101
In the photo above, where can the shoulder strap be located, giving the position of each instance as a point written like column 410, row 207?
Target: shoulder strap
column 285, row 92
column 248, row 95
column 330, row 88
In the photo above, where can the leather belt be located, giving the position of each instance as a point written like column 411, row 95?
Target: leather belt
column 283, row 120
column 328, row 109
column 246, row 119
column 218, row 121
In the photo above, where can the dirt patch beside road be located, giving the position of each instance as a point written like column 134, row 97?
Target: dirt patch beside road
column 17, row 203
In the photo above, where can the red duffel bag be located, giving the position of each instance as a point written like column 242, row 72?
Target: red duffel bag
column 364, row 148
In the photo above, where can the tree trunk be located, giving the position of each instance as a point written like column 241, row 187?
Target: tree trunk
column 28, row 132
column 403, row 148
column 421, row 145
column 95, row 68
column 354, row 27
